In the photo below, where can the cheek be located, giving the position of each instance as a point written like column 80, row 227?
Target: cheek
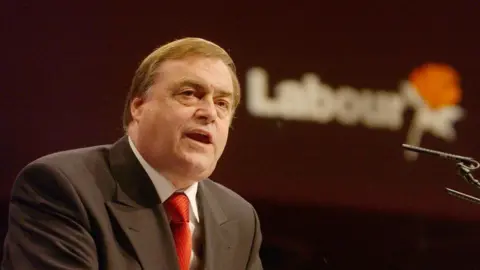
column 154, row 123
column 223, row 135
column 149, row 118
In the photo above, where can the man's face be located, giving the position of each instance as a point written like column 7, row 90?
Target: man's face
column 181, row 125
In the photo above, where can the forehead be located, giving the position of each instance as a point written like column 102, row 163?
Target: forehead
column 209, row 72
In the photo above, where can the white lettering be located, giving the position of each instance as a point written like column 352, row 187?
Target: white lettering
column 321, row 103
column 348, row 105
column 383, row 109
column 312, row 100
column 309, row 99
column 258, row 102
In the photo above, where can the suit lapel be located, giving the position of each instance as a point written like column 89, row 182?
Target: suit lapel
column 138, row 211
column 220, row 233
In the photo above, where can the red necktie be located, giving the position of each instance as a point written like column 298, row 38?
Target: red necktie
column 177, row 207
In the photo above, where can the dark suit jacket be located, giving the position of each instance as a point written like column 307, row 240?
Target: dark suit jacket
column 96, row 208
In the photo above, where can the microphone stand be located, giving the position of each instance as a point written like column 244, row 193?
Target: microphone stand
column 465, row 166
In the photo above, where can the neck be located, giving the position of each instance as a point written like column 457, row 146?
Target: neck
column 179, row 181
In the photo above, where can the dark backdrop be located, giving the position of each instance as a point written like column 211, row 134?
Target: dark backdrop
column 330, row 196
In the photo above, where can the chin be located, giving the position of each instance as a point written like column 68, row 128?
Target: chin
column 199, row 167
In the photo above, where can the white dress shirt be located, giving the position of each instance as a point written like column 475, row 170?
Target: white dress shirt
column 165, row 189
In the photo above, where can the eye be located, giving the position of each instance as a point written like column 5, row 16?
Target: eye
column 223, row 104
column 187, row 92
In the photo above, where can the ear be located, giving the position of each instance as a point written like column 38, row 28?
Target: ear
column 137, row 108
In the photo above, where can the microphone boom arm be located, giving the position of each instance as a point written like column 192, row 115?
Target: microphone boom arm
column 465, row 166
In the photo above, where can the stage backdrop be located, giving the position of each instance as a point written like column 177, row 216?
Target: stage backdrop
column 331, row 90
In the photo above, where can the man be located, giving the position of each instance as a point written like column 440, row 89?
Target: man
column 144, row 202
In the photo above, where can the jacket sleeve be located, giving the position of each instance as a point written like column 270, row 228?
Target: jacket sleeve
column 254, row 262
column 48, row 227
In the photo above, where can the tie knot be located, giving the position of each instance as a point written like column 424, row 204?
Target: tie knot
column 177, row 207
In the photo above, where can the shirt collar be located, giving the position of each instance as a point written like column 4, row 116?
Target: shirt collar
column 164, row 187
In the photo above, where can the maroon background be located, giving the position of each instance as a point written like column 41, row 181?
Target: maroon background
column 328, row 196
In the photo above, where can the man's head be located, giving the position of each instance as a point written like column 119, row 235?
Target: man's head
column 180, row 107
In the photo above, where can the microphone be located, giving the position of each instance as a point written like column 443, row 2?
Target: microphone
column 465, row 165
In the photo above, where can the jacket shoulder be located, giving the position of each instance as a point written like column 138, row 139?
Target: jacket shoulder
column 227, row 196
column 66, row 157
column 84, row 168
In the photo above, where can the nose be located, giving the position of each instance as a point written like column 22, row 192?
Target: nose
column 206, row 111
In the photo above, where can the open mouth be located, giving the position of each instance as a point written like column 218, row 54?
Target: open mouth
column 201, row 137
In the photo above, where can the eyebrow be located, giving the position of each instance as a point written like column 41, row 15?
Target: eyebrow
column 195, row 84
